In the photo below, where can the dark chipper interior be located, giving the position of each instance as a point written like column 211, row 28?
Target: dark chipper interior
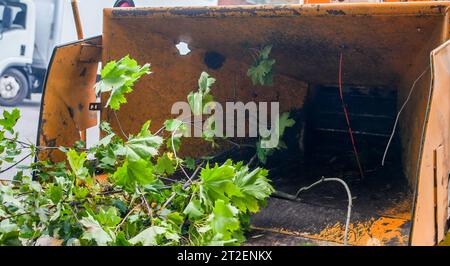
column 319, row 145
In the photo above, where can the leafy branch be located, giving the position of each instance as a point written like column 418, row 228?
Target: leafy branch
column 128, row 191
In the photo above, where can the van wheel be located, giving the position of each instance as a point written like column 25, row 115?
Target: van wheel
column 13, row 87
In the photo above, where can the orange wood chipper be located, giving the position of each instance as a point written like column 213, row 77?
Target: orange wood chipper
column 394, row 65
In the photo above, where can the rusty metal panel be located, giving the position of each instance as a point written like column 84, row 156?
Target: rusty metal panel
column 68, row 91
column 431, row 203
column 441, row 193
column 307, row 40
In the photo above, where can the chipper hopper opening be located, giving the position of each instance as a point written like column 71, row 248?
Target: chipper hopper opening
column 367, row 85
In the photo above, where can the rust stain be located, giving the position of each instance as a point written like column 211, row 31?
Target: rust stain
column 400, row 209
column 380, row 231
column 102, row 179
column 68, row 89
column 375, row 232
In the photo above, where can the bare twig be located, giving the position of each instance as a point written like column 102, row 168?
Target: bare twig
column 399, row 113
column 125, row 218
column 15, row 164
column 15, row 215
column 252, row 160
column 149, row 210
column 166, row 203
column 190, row 179
column 185, row 186
column 120, row 125
column 105, row 193
column 10, row 181
column 323, row 179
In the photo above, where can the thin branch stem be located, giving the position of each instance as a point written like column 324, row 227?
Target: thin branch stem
column 185, row 186
column 120, row 125
column 14, row 216
column 15, row 164
column 125, row 218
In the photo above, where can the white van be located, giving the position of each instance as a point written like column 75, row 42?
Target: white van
column 30, row 29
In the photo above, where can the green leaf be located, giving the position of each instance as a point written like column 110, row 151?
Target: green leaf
column 263, row 153
column 6, row 226
column 264, row 53
column 80, row 193
column 175, row 218
column 217, row 183
column 55, row 193
column 76, row 162
column 144, row 146
column 106, row 127
column 195, row 100
column 205, row 82
column 261, row 71
column 148, row 237
column 190, row 163
column 10, row 239
column 93, row 231
column 133, row 173
column 106, row 140
column 255, row 188
column 194, row 209
column 172, row 124
column 121, row 240
column 285, row 122
column 198, row 100
column 108, row 217
column 9, row 120
column 224, row 219
column 164, row 165
column 118, row 78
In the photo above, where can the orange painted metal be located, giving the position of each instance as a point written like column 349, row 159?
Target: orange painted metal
column 76, row 16
column 80, row 35
column 432, row 189
column 68, row 93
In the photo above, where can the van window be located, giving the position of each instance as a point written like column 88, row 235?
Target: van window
column 18, row 16
column 2, row 7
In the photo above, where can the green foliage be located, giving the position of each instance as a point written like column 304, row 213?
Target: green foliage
column 8, row 138
column 261, row 72
column 224, row 220
column 281, row 124
column 9, row 120
column 217, row 183
column 134, row 173
column 199, row 99
column 144, row 146
column 254, row 186
column 94, row 231
column 165, row 165
column 118, row 78
column 76, row 162
column 128, row 191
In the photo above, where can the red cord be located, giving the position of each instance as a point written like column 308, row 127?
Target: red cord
column 350, row 131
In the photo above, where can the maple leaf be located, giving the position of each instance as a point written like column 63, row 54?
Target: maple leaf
column 254, row 186
column 118, row 78
column 217, row 183
column 9, row 120
column 133, row 173
column 223, row 220
column 261, row 71
column 94, row 231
